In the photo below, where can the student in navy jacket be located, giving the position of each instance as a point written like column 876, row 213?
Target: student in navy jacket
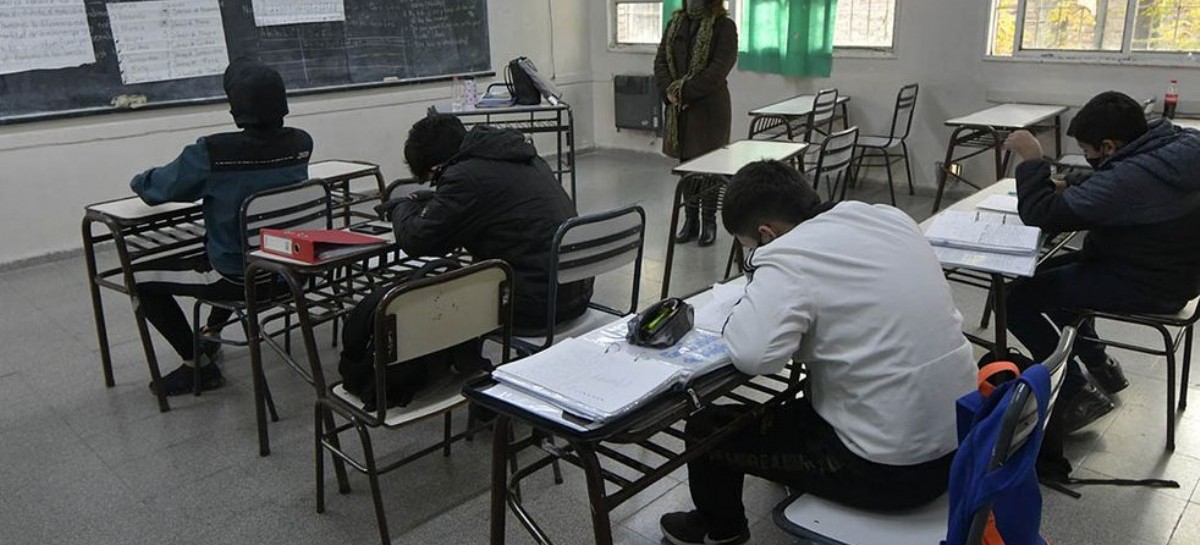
column 1141, row 209
column 222, row 171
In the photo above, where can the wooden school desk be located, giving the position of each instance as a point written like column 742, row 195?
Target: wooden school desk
column 631, row 452
column 141, row 232
column 788, row 113
column 996, row 283
column 721, row 164
column 557, row 119
column 986, row 130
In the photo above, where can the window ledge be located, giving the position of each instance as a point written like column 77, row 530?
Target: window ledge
column 863, row 53
column 1150, row 60
column 633, row 49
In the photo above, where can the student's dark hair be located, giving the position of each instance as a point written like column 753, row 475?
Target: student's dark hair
column 1108, row 116
column 431, row 142
column 767, row 191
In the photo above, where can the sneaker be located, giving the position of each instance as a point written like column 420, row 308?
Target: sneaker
column 1108, row 375
column 181, row 380
column 1086, row 407
column 689, row 529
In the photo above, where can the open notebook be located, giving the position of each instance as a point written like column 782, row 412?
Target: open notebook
column 999, row 233
column 590, row 380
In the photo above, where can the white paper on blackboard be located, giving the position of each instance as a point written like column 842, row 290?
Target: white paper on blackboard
column 291, row 12
column 168, row 39
column 43, row 35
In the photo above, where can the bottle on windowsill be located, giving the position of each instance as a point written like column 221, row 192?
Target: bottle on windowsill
column 1171, row 101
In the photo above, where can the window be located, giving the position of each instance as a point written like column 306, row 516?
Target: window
column 638, row 23
column 1130, row 28
column 860, row 23
column 864, row 24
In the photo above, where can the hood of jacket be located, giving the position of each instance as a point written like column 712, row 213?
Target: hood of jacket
column 1152, row 179
column 257, row 96
column 485, row 142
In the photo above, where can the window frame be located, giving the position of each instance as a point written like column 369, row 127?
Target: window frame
column 1126, row 56
column 735, row 6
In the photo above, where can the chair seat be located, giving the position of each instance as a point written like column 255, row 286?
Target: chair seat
column 878, row 142
column 824, row 521
column 592, row 319
column 1185, row 315
column 436, row 399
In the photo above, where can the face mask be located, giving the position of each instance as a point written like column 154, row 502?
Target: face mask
column 696, row 8
column 1095, row 162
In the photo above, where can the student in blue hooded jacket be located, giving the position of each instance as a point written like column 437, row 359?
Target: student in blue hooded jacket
column 1141, row 209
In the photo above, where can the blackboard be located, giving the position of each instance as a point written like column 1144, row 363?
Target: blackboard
column 380, row 42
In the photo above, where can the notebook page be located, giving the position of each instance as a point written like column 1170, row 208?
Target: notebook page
column 966, row 230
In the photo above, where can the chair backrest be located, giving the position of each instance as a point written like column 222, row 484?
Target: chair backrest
column 906, row 106
column 769, row 127
column 595, row 244
column 1148, row 107
column 424, row 316
column 837, row 151
column 302, row 206
column 1020, row 420
column 403, row 187
column 820, row 119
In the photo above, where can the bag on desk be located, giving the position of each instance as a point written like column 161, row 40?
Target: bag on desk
column 403, row 380
column 520, row 84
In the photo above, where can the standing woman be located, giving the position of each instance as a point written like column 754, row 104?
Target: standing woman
column 694, row 59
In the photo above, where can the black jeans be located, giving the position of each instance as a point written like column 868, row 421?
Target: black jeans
column 1038, row 307
column 793, row 445
column 160, row 282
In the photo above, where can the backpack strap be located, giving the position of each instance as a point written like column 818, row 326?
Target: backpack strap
column 983, row 380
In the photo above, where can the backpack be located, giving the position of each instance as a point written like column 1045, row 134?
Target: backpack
column 520, row 85
column 356, row 364
column 1053, row 467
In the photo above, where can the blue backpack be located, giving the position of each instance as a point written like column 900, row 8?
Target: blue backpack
column 1012, row 489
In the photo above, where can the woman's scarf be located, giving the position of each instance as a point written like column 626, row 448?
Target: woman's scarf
column 701, row 47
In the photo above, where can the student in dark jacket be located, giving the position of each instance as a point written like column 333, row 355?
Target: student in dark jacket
column 1141, row 209
column 697, row 52
column 222, row 171
column 495, row 197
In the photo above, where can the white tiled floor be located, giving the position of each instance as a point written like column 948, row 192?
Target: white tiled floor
column 80, row 463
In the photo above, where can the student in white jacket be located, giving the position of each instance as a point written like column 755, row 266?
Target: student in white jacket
column 854, row 292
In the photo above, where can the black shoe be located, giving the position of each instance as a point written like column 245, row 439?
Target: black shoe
column 689, row 529
column 181, row 380
column 708, row 233
column 1085, row 407
column 1108, row 375
column 688, row 232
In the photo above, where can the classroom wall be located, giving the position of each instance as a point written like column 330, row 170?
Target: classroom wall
column 940, row 45
column 50, row 171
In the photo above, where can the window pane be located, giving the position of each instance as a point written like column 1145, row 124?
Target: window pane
column 864, row 23
column 1004, row 27
column 639, row 22
column 1081, row 25
column 1167, row 25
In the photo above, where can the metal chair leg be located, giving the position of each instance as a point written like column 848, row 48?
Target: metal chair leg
column 196, row 349
column 1168, row 344
column 373, row 478
column 1188, row 333
column 447, row 421
column 319, row 457
column 887, row 159
column 908, row 168
column 986, row 319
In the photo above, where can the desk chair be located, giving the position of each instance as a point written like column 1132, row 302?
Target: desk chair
column 884, row 147
column 1185, row 320
column 819, row 123
column 302, row 206
column 828, row 523
column 833, row 163
column 587, row 247
column 417, row 318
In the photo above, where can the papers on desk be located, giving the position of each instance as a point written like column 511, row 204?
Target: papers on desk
column 697, row 353
column 984, row 241
column 712, row 315
column 589, row 380
column 981, row 231
column 1006, row 204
